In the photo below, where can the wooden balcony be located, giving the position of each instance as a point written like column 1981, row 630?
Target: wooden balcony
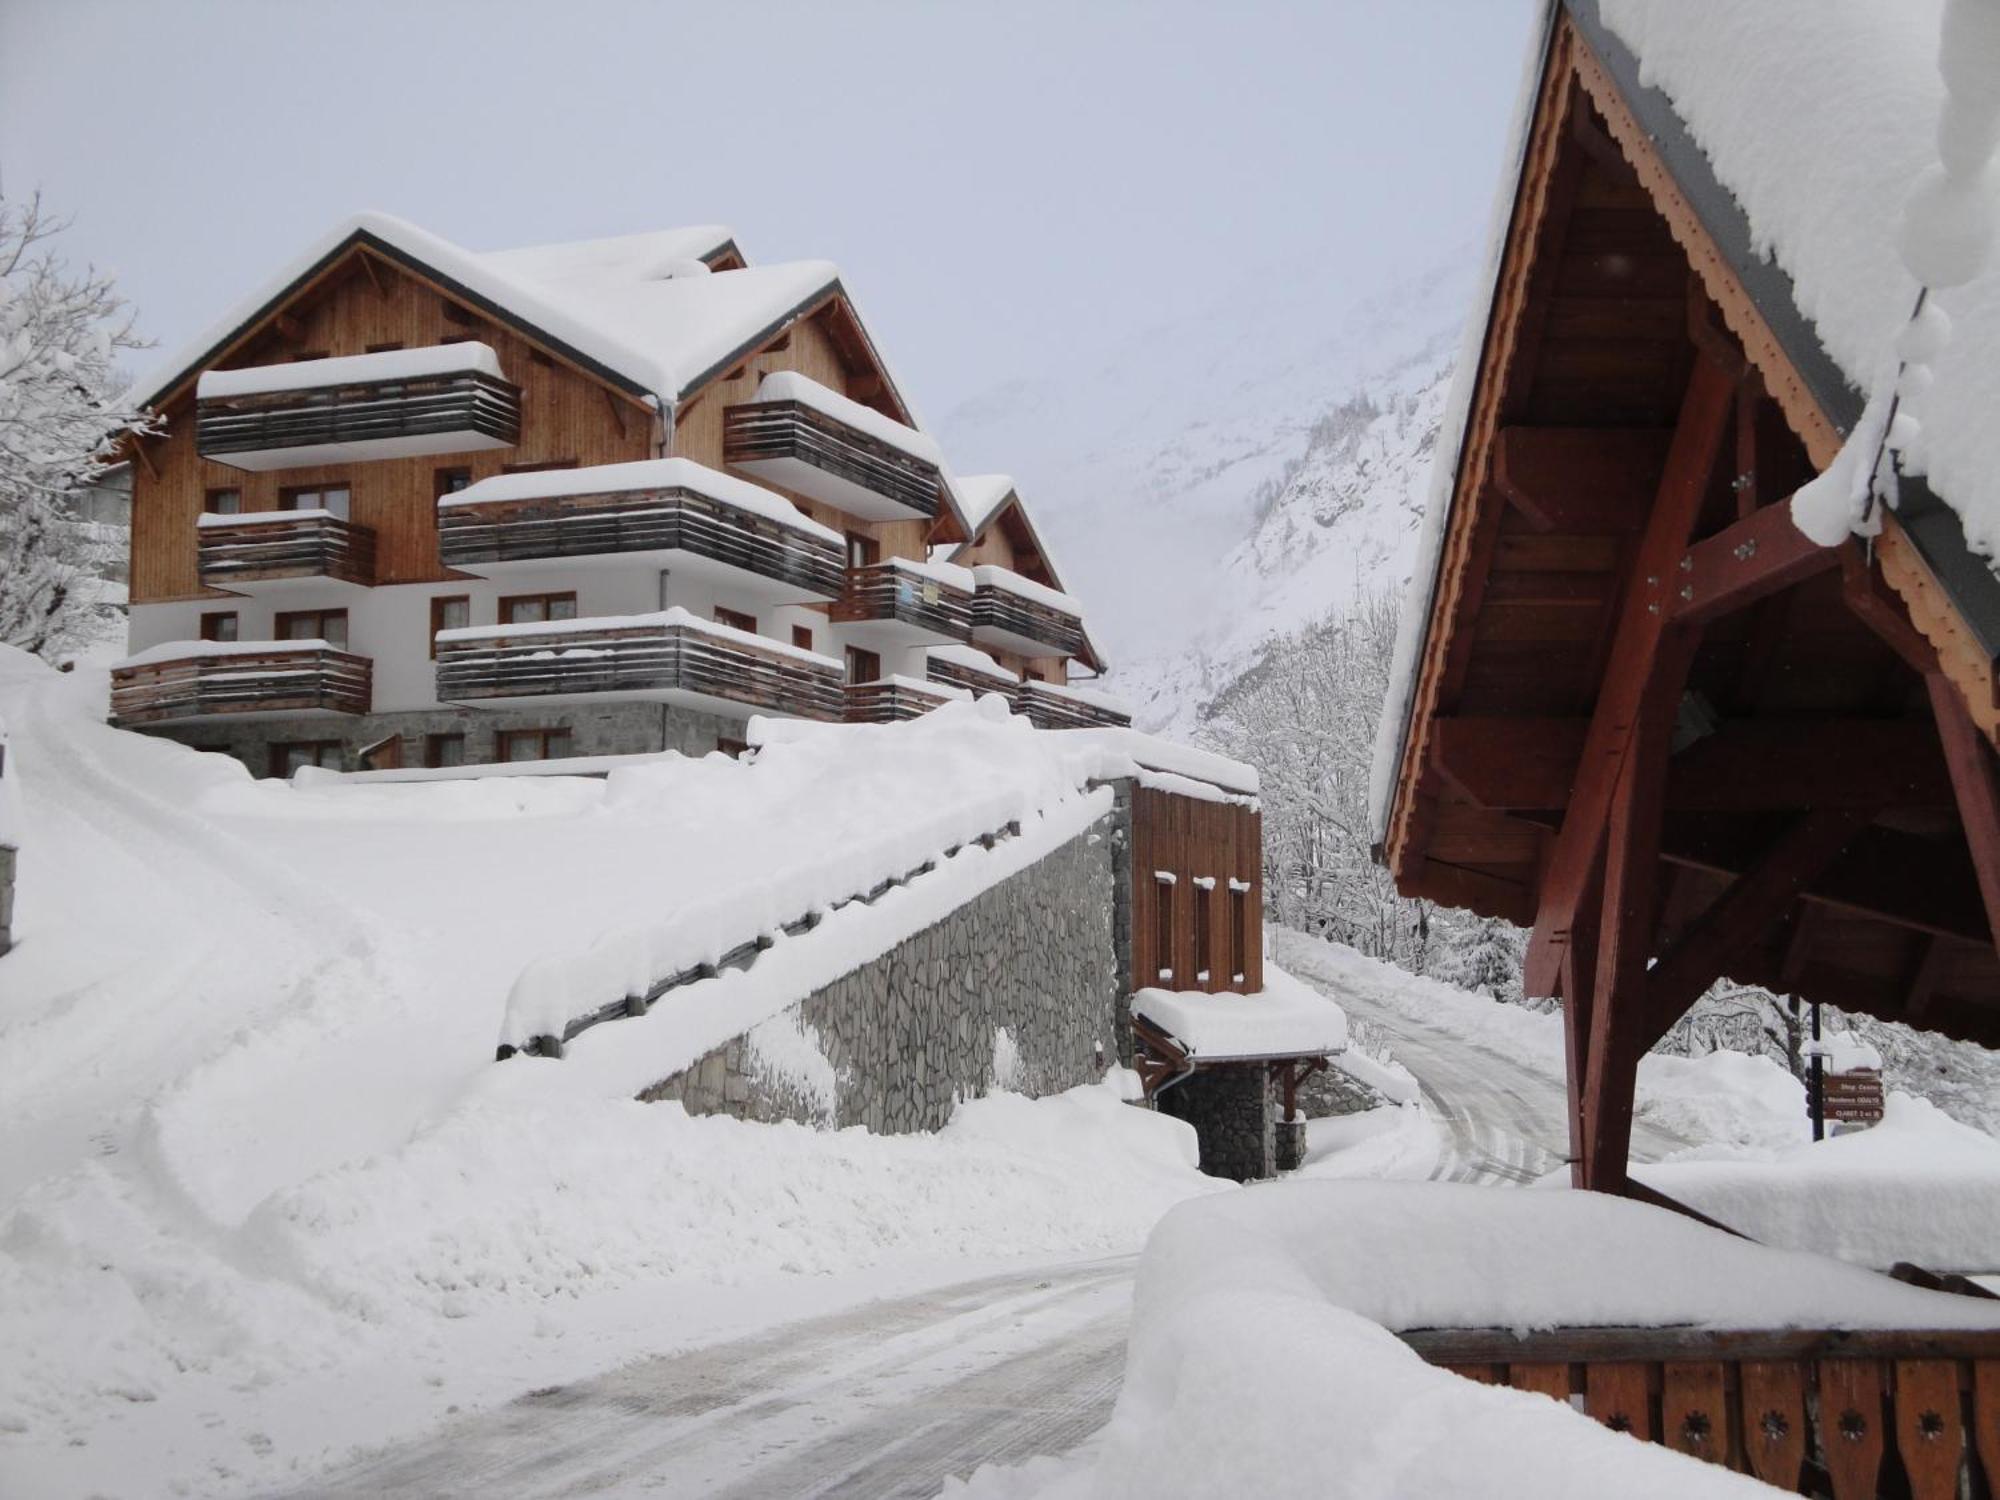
column 339, row 410
column 1811, row 1412
column 972, row 679
column 676, row 528
column 804, row 450
column 1010, row 613
column 893, row 699
column 272, row 551
column 897, row 603
column 197, row 680
column 1049, row 705
column 665, row 658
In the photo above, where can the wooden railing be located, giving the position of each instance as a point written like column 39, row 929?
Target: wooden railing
column 978, row 683
column 265, row 550
column 1851, row 1415
column 1047, row 708
column 472, row 535
column 636, row 661
column 889, row 701
column 278, row 679
column 463, row 402
column 890, row 591
column 998, row 608
column 764, row 431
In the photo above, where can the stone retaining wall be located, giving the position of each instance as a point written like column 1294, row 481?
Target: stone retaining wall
column 1018, row 988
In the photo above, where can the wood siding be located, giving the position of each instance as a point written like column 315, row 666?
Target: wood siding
column 1189, row 839
column 565, row 415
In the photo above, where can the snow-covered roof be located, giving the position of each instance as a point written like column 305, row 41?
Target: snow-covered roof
column 980, row 496
column 1284, row 1019
column 649, row 255
column 991, row 574
column 790, row 385
column 644, row 474
column 350, row 369
column 1136, row 747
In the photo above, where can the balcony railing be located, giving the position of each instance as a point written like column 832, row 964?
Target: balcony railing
column 248, row 554
column 895, row 698
column 190, row 680
column 806, row 450
column 396, row 404
column 708, row 531
column 975, row 677
column 904, row 603
column 670, row 657
column 1016, row 614
column 1049, row 705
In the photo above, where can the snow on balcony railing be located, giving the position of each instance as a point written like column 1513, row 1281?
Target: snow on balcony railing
column 896, row 697
column 399, row 403
column 666, row 656
column 1053, row 705
column 281, row 545
column 656, row 505
column 1018, row 614
column 180, row 680
column 817, row 442
column 924, row 598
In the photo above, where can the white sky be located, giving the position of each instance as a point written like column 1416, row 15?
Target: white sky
column 1006, row 186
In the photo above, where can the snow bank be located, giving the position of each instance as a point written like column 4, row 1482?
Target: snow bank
column 645, row 474
column 1261, row 1316
column 351, row 369
column 789, row 385
column 1918, row 1187
column 1284, row 1019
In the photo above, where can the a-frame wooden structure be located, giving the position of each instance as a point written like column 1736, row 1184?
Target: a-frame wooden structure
column 1650, row 720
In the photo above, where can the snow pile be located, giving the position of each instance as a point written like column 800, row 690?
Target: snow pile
column 1918, row 1187
column 1260, row 1316
column 1284, row 1019
column 1844, row 1052
column 645, row 474
column 789, row 385
column 351, row 369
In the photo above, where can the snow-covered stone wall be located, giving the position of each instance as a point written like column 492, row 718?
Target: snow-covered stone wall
column 1025, row 973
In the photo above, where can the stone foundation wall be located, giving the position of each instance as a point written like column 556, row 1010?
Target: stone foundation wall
column 600, row 729
column 1018, row 988
column 1231, row 1109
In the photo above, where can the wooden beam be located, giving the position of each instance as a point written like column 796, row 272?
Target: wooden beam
column 1706, row 332
column 1978, row 786
column 1869, row 598
column 1633, row 668
column 289, row 328
column 374, row 271
column 1743, row 914
column 1758, row 556
column 1933, row 952
column 1580, row 480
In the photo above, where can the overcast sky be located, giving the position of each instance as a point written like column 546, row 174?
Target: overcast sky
column 1002, row 184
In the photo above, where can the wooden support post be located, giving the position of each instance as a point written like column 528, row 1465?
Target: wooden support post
column 1579, row 981
column 1977, row 784
column 1631, row 667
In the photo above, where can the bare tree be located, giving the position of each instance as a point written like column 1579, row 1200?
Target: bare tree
column 62, row 416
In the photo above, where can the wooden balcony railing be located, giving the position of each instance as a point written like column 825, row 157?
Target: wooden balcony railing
column 1007, row 617
column 971, row 679
column 1852, row 1415
column 896, row 594
column 478, row 534
column 281, row 546
column 1050, row 706
column 387, row 418
column 665, row 657
column 892, row 699
column 791, row 441
column 213, row 680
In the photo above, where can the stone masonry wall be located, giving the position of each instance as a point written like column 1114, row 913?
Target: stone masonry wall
column 1018, row 987
column 7, row 858
column 1230, row 1109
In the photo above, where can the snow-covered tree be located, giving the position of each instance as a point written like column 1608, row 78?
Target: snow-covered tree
column 1482, row 954
column 62, row 414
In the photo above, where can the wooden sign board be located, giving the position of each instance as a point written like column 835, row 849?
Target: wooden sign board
column 1852, row 1098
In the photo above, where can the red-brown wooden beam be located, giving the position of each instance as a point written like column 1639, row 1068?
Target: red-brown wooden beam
column 1579, row 480
column 1758, row 556
column 1978, row 784
column 1632, row 670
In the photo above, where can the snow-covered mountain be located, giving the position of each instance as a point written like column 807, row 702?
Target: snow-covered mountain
column 1235, row 474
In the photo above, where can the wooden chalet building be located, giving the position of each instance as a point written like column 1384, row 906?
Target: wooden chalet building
column 1643, row 715
column 417, row 506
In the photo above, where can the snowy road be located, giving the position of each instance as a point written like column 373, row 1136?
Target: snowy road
column 886, row 1400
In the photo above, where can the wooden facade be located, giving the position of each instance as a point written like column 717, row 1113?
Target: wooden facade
column 1197, row 893
column 1650, row 720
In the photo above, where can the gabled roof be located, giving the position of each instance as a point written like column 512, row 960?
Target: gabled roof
column 988, row 500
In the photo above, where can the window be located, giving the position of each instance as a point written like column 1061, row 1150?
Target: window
column 331, row 498
column 223, row 502
column 329, row 625
column 735, row 749
column 862, row 550
column 293, row 755
column 735, row 619
column 219, row 625
column 863, row 666
column 533, row 609
column 449, row 612
column 802, row 637
column 1204, row 903
column 533, row 744
column 387, row 348
column 444, row 750
column 1163, row 927
column 1239, row 927
column 450, row 481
